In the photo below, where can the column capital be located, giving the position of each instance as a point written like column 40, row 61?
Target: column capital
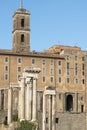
column 27, row 80
column 50, row 96
column 35, row 78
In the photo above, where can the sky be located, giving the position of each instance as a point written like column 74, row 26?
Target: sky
column 52, row 22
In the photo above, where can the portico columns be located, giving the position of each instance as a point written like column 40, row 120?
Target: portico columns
column 34, row 100
column 30, row 100
column 22, row 99
column 76, row 102
column 19, row 103
column 44, row 112
column 27, row 98
column 50, row 112
column 9, row 105
column 53, row 111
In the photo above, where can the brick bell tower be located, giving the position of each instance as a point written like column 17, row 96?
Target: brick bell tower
column 21, row 30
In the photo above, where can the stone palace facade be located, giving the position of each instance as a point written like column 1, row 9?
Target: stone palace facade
column 49, row 87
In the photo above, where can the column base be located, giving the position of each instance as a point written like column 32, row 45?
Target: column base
column 22, row 120
column 33, row 120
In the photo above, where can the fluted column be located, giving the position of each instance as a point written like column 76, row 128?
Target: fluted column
column 22, row 99
column 34, row 99
column 27, row 99
column 30, row 100
column 44, row 112
column 53, row 111
column 50, row 112
column 9, row 105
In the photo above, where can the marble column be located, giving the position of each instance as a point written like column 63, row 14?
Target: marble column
column 0, row 100
column 44, row 112
column 22, row 99
column 76, row 102
column 30, row 100
column 27, row 99
column 9, row 105
column 53, row 111
column 50, row 112
column 34, row 99
column 19, row 103
column 64, row 102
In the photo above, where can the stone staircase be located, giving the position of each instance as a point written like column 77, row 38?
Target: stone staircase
column 3, row 114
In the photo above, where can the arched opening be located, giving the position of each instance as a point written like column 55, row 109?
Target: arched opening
column 22, row 38
column 69, row 103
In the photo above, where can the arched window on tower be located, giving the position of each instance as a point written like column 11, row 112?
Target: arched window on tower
column 22, row 38
column 69, row 103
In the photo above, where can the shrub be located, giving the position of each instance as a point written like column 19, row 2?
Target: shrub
column 26, row 125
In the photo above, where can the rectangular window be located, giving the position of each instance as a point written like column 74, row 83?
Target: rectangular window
column 59, row 79
column 83, row 58
column 82, row 108
column 83, row 73
column 51, row 79
column 68, row 65
column 33, row 61
column 19, row 60
column 67, row 80
column 76, row 58
column 59, row 71
column 83, row 67
column 51, row 62
column 6, row 77
column 76, row 69
column 68, row 68
column 56, row 120
column 19, row 69
column 43, row 62
column 6, row 68
column 83, row 81
column 52, row 71
column 43, row 78
column 6, row 59
column 43, row 71
column 59, row 63
column 76, row 81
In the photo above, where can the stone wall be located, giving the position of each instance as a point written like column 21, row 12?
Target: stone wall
column 71, row 121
